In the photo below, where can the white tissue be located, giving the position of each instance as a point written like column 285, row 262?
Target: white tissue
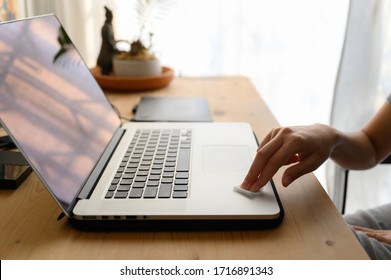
column 246, row 192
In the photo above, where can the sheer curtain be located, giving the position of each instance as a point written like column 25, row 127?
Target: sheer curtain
column 364, row 81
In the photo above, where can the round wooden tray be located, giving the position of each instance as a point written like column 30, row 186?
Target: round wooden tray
column 120, row 83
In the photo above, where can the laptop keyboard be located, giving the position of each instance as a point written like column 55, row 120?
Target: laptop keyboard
column 156, row 165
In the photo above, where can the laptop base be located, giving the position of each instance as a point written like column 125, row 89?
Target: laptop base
column 171, row 225
column 180, row 225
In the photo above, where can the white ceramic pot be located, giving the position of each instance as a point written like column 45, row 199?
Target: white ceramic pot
column 136, row 68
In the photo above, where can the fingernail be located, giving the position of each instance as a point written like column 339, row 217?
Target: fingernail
column 245, row 185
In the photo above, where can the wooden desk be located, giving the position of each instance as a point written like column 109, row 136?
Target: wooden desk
column 312, row 228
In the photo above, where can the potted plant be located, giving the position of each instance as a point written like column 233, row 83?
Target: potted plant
column 141, row 60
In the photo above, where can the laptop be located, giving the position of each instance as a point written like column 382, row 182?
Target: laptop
column 105, row 174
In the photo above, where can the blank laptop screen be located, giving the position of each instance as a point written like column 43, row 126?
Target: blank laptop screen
column 51, row 105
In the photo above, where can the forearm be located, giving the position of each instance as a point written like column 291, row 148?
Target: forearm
column 366, row 148
column 354, row 150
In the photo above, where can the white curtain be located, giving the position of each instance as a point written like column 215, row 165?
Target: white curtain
column 364, row 81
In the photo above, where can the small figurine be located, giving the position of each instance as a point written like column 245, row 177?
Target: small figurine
column 108, row 48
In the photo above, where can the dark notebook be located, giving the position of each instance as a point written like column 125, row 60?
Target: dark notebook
column 173, row 109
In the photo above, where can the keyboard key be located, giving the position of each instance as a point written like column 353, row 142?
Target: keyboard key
column 121, row 195
column 179, row 194
column 130, row 170
column 165, row 191
column 126, row 182
column 123, row 188
column 157, row 166
column 142, row 173
column 183, row 160
column 156, row 171
column 181, row 188
column 138, row 185
column 182, row 175
column 134, row 160
column 152, row 183
column 140, row 179
column 120, row 170
column 136, row 193
column 128, row 176
column 168, row 174
column 132, row 165
column 169, row 169
column 150, row 192
column 144, row 168
column 146, row 162
column 167, row 180
column 181, row 182
column 115, row 182
column 154, row 177
column 109, row 194
column 171, row 159
column 159, row 158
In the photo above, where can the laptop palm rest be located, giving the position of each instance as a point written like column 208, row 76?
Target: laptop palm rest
column 226, row 158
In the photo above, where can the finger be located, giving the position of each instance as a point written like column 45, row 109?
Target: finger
column 271, row 135
column 377, row 236
column 364, row 229
column 267, row 139
column 379, row 232
column 263, row 179
column 293, row 159
column 281, row 157
column 380, row 235
column 261, row 158
column 304, row 166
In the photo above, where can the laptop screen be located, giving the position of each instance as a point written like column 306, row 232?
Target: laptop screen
column 51, row 105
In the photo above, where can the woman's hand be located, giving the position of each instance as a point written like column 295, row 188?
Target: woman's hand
column 306, row 147
column 378, row 234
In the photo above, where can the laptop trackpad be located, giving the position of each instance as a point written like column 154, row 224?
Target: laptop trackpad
column 225, row 158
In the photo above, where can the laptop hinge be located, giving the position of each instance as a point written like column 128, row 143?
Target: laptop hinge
column 96, row 173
